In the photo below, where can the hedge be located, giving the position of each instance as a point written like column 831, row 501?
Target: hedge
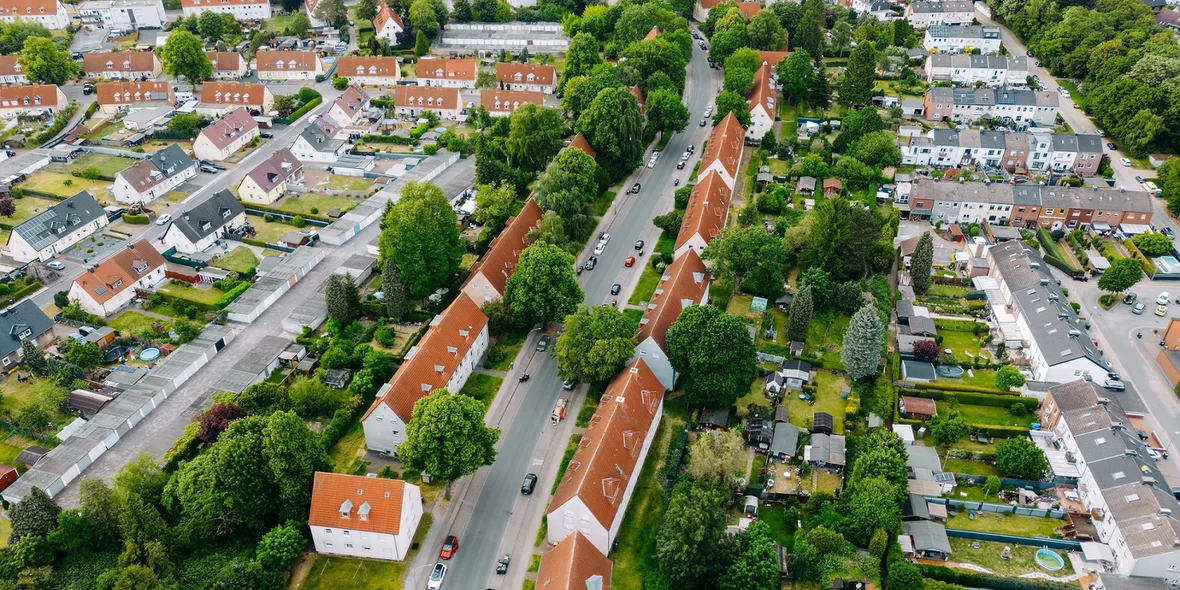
column 59, row 122
column 965, row 387
column 1064, row 266
column 277, row 211
column 1148, row 267
column 185, row 448
column 977, row 580
column 20, row 293
column 961, row 326
column 303, row 110
column 394, row 139
column 336, row 429
column 980, row 399
column 136, row 219
column 229, row 297
column 169, row 297
column 173, row 134
column 254, row 242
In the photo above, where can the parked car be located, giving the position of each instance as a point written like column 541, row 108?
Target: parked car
column 88, row 89
column 600, row 248
column 1161, row 310
column 1111, row 146
column 1162, row 299
column 615, row 288
column 543, row 343
column 1140, row 179
column 1167, row 231
column 567, row 384
column 1114, row 385
column 590, row 262
column 1063, row 91
column 703, row 122
column 685, row 156
column 1130, row 298
column 680, row 165
column 530, row 483
column 1139, row 308
column 635, row 188
column 436, row 577
column 165, row 218
column 55, row 265
column 638, row 244
column 266, row 135
column 207, row 169
column 449, row 547
column 1125, row 162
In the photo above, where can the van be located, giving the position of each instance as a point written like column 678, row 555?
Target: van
column 1152, row 189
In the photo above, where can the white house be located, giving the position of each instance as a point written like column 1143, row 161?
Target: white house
column 121, row 64
column 502, row 103
column 348, row 108
column 685, row 282
column 317, row 143
column 201, row 225
column 533, row 77
column 247, row 10
column 154, row 176
column 592, row 497
column 962, row 39
column 218, row 98
column 995, row 71
column 359, row 516
column 288, row 65
column 445, row 357
column 370, row 70
column 31, row 99
column 57, row 228
column 50, row 14
column 723, row 152
column 226, row 135
column 104, row 289
column 446, row 102
column 387, row 24
column 269, row 180
column 11, row 72
column 706, row 214
column 447, row 73
column 923, row 14
column 763, row 102
column 490, row 275
column 126, row 15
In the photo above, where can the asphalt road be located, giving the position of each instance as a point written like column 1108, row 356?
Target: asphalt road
column 473, row 567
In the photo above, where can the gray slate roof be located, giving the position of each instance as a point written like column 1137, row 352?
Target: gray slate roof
column 905, row 308
column 61, row 219
column 928, row 536
column 921, row 325
column 919, row 457
column 203, row 219
column 24, row 319
column 963, row 32
column 172, row 160
column 786, row 439
column 828, row 448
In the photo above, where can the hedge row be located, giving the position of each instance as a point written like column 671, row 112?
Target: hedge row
column 169, row 297
column 37, row 193
column 185, row 448
column 977, row 580
column 964, row 387
column 979, row 399
column 961, row 326
column 20, row 293
column 230, row 296
column 335, row 429
column 277, row 211
column 1064, row 266
column 303, row 110
column 254, row 242
column 136, row 219
column 1144, row 263
column 394, row 139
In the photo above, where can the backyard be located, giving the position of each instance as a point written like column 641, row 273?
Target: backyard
column 329, row 573
column 190, row 293
column 321, row 203
column 987, row 415
column 975, row 377
column 988, row 557
column 131, row 322
column 55, row 183
column 240, row 260
column 26, row 207
column 269, row 231
column 1007, row 524
column 968, row 467
column 825, row 336
column 827, row 400
column 356, row 184
column 107, row 165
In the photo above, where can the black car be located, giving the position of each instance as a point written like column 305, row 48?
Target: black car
column 593, row 260
column 1029, row 53
column 88, row 89
column 635, row 188
column 207, row 169
column 1139, row 179
column 1130, row 298
column 638, row 244
column 615, row 288
column 76, row 55
column 1111, row 146
column 704, row 122
column 266, row 135
column 542, row 345
column 530, row 483
column 680, row 165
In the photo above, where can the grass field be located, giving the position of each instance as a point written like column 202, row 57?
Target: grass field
column 331, row 573
column 570, row 448
column 54, row 183
column 321, row 203
column 132, row 322
column 825, row 336
column 270, row 232
column 106, row 164
column 776, row 517
column 978, row 378
column 26, row 207
column 345, row 449
column 988, row 556
column 646, row 287
column 826, row 400
column 1008, row 524
column 509, row 345
column 349, row 183
column 277, row 23
column 175, row 196
column 987, row 415
column 482, row 387
column 17, row 395
column 969, row 467
column 206, row 296
column 240, row 259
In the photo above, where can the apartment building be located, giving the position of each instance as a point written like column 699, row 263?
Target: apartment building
column 995, row 71
column 954, row 148
column 50, row 14
column 502, row 103
column 11, row 72
column 490, row 275
column 706, row 214
column 446, row 102
column 723, row 152
column 358, row 516
column 369, row 71
column 154, row 176
column 288, row 65
column 574, row 563
column 1027, row 205
column 104, row 289
column 31, row 99
column 121, row 64
column 245, row 10
column 1061, row 153
column 445, row 357
column 684, row 283
column 218, row 98
column 763, row 103
column 952, row 12
column 125, row 15
column 962, row 38
column 967, row 105
column 447, row 73
column 531, row 77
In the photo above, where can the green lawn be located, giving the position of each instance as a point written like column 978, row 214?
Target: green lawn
column 969, row 493
column 776, row 517
column 987, row 415
column 978, row 378
column 27, row 207
column 106, row 164
column 206, row 296
column 349, row 183
column 756, row 398
column 646, row 287
column 277, row 23
column 603, row 202
column 240, row 259
column 825, row 336
column 55, row 183
column 321, row 203
column 827, row 400
column 175, row 196
column 344, row 452
column 1007, row 524
column 482, row 387
column 508, row 345
column 960, row 342
column 645, row 514
column 968, row 467
column 17, row 395
column 988, row 556
column 270, row 232
column 570, row 448
column 132, row 322
column 332, row 573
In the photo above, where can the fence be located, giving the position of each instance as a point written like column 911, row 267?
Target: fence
column 114, row 152
column 963, row 505
column 1037, row 486
column 1015, row 540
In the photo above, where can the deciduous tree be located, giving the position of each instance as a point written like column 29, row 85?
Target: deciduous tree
column 216, row 419
column 810, row 35
column 421, row 235
column 1020, row 458
column 543, row 288
column 43, row 62
column 755, row 259
column 765, row 31
column 714, row 353
column 949, row 429
column 447, row 437
column 367, row 9
column 595, row 345
column 693, row 526
column 669, row 223
column 583, row 55
column 534, row 136
column 732, row 102
column 614, row 127
column 865, row 512
column 757, row 566
column 184, row 55
column 798, row 74
column 861, row 351
column 719, row 458
column 665, row 112
column 1008, row 377
column 280, row 547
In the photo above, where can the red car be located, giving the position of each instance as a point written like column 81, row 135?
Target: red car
column 629, row 262
column 449, row 547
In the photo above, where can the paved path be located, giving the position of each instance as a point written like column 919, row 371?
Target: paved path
column 483, row 371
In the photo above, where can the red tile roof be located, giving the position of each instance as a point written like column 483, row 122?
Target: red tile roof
column 608, row 455
column 569, row 564
column 639, row 96
column 119, row 272
column 230, row 128
column 725, row 145
column 436, row 357
column 202, row 3
column 430, row 97
column 27, row 8
column 288, row 61
column 99, row 62
column 373, row 66
column 518, row 73
column 352, row 101
column 509, row 100
column 684, row 283
column 773, row 57
column 652, row 34
column 332, row 492
column 9, row 66
column 385, row 15
column 500, row 260
column 114, row 93
column 918, row 405
column 763, row 92
column 750, row 8
column 708, row 208
column 225, row 61
column 437, row 68
column 233, row 93
column 579, row 142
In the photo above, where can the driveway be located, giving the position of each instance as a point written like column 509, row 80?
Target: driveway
column 88, row 40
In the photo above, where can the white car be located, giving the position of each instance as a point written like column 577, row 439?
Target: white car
column 685, row 156
column 436, row 576
column 1162, row 299
column 600, row 248
column 1125, row 162
column 165, row 218
column 1063, row 91
column 55, row 265
column 604, row 239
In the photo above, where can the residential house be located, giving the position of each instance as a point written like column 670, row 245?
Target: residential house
column 967, row 105
column 705, row 215
column 579, row 142
column 288, row 65
column 104, row 289
column 227, row 65
column 962, row 38
column 444, row 358
column 54, row 230
column 202, row 225
column 369, row 71
column 832, row 186
column 924, row 539
column 1029, row 205
column 50, row 14
column 763, row 103
column 531, row 77
column 11, row 72
column 684, row 283
column 445, row 101
column 243, row 10
column 1168, row 19
column 879, row 9
column 723, row 152
column 592, row 496
column 387, row 24
column 490, row 275
column 115, row 96
column 23, row 321
column 218, row 98
column 225, row 136
column 349, row 107
column 994, row 71
column 640, row 97
column 32, row 99
column 825, row 450
column 121, row 64
column 123, row 15
column 574, row 563
column 358, row 516
column 772, row 58
column 269, row 180
column 923, row 14
column 448, row 73
column 793, row 374
column 317, row 143
column 502, row 103
column 154, row 176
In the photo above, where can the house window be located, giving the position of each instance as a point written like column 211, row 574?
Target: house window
column 346, row 533
column 348, row 545
column 328, row 544
column 7, row 362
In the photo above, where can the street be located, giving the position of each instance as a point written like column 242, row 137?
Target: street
column 492, row 499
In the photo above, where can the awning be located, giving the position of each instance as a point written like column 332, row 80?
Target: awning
column 936, row 510
column 1097, row 552
column 1134, row 229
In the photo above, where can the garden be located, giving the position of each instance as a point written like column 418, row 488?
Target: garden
column 324, row 572
column 26, row 207
column 988, row 556
column 61, row 184
column 104, row 165
column 314, row 204
column 240, row 260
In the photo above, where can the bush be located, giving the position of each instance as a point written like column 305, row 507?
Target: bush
column 1018, row 409
column 91, row 173
column 229, row 297
column 315, row 210
column 385, row 336
column 298, row 221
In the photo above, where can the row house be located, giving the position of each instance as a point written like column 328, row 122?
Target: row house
column 113, row 96
column 269, row 180
column 502, row 103
column 243, row 10
column 962, row 38
column 1131, row 507
column 574, row 563
column 121, row 64
column 227, row 65
column 349, row 108
column 50, row 14
column 705, row 216
column 923, row 14
column 995, row 71
column 154, row 176
column 531, row 77
column 968, row 105
column 447, row 73
column 369, row 71
column 123, row 15
column 56, row 229
column 772, row 58
column 446, row 102
column 32, row 99
column 684, row 283
column 489, row 276
column 446, row 356
column 225, row 136
column 1028, row 205
column 289, row 65
column 218, row 98
column 954, row 148
column 763, row 103
column 11, row 72
column 1062, row 153
column 723, row 152
column 106, row 288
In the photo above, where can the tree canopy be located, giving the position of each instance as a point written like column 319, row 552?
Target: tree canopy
column 595, row 344
column 447, row 438
column 714, row 353
column 543, row 287
column 421, row 234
